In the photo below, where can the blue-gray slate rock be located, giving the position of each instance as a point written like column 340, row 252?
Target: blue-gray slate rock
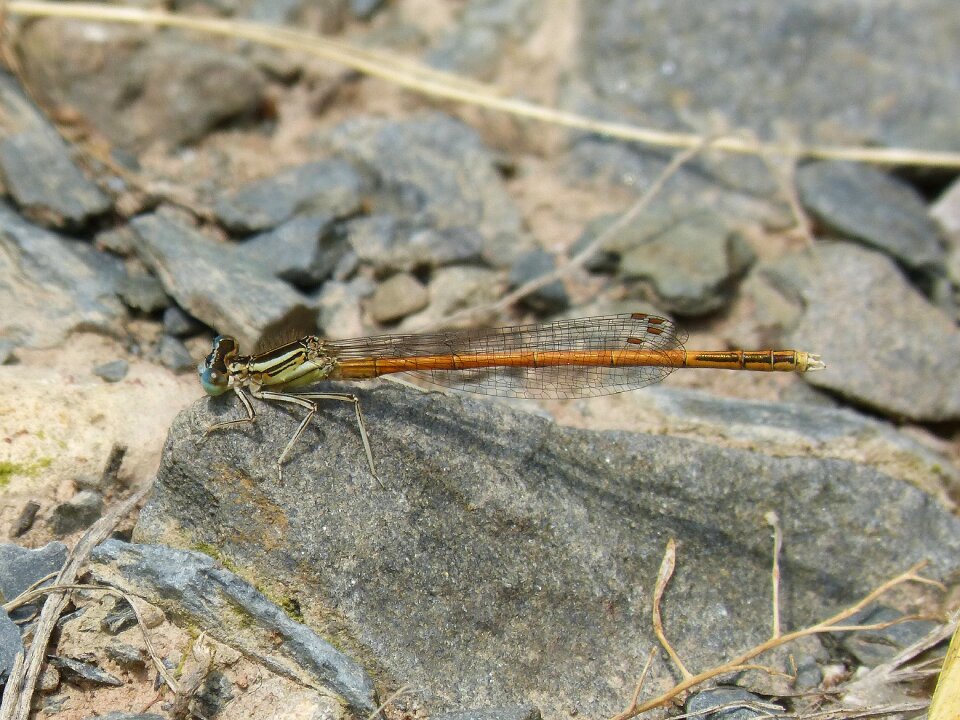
column 886, row 347
column 331, row 187
column 78, row 513
column 397, row 245
column 513, row 712
column 475, row 44
column 174, row 355
column 861, row 203
column 113, row 371
column 432, row 171
column 54, row 285
column 672, row 64
column 191, row 588
column 551, row 298
column 504, row 556
column 304, row 250
column 20, row 568
column 791, row 429
column 10, row 645
column 37, row 166
column 731, row 703
column 215, row 284
column 692, row 261
column 391, row 244
column 149, row 86
column 79, row 671
column 873, row 647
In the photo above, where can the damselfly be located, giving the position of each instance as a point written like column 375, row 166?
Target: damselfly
column 565, row 359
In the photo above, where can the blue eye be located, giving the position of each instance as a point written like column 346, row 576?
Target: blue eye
column 213, row 383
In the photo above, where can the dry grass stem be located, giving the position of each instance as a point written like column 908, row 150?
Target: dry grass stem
column 773, row 520
column 21, row 684
column 484, row 312
column 667, row 566
column 415, row 77
column 831, row 624
column 378, row 713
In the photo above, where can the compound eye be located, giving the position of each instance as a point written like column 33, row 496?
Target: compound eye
column 213, row 382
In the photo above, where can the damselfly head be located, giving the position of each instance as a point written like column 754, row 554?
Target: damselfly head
column 214, row 376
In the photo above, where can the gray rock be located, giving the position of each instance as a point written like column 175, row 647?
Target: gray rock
column 177, row 323
column 113, row 371
column 503, row 546
column 174, row 355
column 120, row 618
column 20, row 568
column 338, row 307
column 56, row 285
column 455, row 288
column 475, row 45
column 304, row 250
column 143, row 292
column 471, row 50
column 329, row 187
column 530, row 265
column 10, row 645
column 886, row 347
column 189, row 587
column 211, row 282
column 126, row 656
column 695, row 187
column 432, row 171
column 809, row 675
column 737, row 704
column 802, row 430
column 37, row 165
column 513, row 712
column 83, row 672
column 7, row 347
column 212, row 696
column 607, row 258
column 118, row 715
column 365, row 9
column 397, row 297
column 393, row 245
column 692, row 261
column 79, row 512
column 859, row 202
column 769, row 62
column 128, row 99
column 873, row 647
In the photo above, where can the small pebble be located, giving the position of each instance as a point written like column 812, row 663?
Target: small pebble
column 178, row 324
column 75, row 670
column 398, row 297
column 530, row 265
column 113, row 371
column 173, row 354
column 78, row 513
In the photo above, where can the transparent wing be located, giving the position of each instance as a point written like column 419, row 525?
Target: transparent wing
column 636, row 331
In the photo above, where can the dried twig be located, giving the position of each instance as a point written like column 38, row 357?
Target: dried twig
column 774, row 521
column 831, row 624
column 581, row 258
column 667, row 566
column 388, row 702
column 433, row 83
column 20, row 685
column 28, row 596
